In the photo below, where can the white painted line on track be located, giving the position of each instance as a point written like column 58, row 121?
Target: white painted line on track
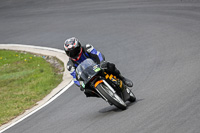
column 48, row 102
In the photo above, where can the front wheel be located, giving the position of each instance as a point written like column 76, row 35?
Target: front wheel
column 111, row 96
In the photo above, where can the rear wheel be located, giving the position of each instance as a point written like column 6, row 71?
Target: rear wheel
column 111, row 96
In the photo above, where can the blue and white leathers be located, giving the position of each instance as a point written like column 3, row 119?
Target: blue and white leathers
column 88, row 52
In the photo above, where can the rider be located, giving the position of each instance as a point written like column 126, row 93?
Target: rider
column 78, row 53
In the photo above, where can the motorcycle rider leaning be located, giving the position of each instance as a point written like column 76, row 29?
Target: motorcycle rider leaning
column 78, row 53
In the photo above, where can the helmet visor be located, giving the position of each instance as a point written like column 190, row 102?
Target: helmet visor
column 74, row 53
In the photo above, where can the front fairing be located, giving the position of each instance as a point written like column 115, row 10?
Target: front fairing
column 87, row 70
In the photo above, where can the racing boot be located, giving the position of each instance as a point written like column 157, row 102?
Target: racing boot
column 126, row 81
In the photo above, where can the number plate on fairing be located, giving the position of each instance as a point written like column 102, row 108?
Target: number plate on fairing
column 96, row 68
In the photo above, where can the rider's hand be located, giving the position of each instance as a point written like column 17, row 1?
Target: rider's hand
column 103, row 65
column 81, row 88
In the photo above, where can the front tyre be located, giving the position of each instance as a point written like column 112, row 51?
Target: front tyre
column 111, row 96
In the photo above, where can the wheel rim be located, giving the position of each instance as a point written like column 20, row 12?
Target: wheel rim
column 114, row 95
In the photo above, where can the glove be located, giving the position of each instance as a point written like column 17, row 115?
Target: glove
column 81, row 88
column 103, row 65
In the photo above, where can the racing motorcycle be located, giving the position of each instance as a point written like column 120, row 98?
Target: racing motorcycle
column 104, row 85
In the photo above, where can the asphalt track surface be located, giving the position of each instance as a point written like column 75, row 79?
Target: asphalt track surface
column 155, row 43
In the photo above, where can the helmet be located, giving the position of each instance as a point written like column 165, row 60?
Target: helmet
column 73, row 48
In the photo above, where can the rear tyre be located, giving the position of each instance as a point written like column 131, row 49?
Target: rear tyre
column 112, row 98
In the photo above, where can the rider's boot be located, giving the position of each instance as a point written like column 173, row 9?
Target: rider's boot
column 126, row 81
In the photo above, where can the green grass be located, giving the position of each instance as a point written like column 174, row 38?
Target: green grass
column 24, row 80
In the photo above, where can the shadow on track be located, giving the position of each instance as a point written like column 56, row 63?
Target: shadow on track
column 115, row 109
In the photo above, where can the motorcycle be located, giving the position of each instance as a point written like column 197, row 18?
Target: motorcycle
column 106, row 86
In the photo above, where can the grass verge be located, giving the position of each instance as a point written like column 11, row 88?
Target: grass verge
column 24, row 80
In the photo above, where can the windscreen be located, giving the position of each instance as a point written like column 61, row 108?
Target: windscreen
column 86, row 70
